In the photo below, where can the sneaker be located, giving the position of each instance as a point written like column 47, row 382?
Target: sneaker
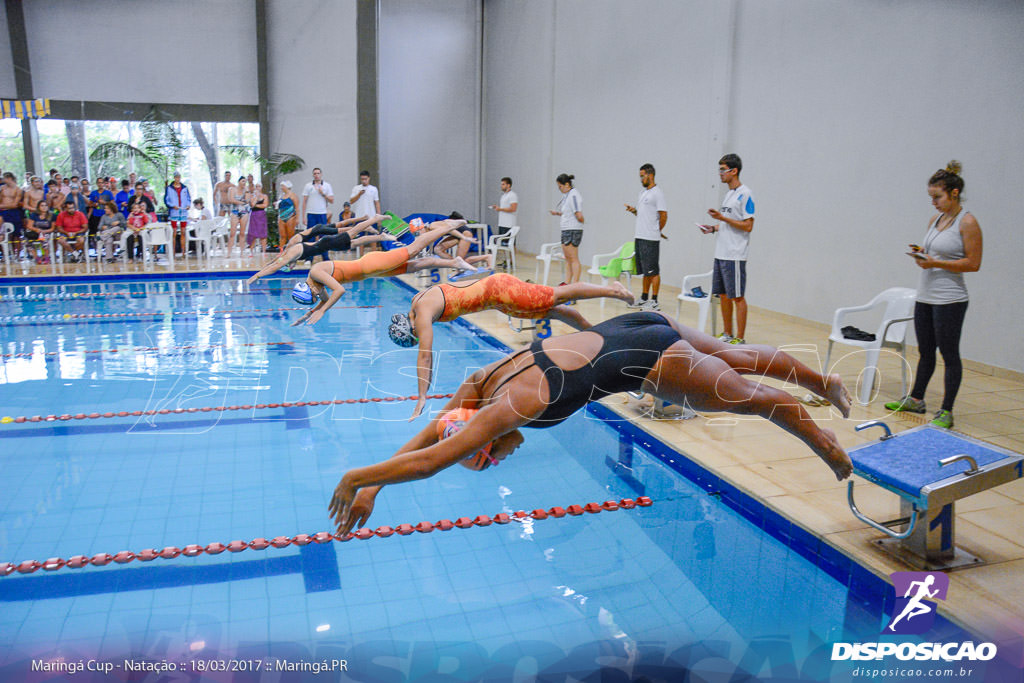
column 725, row 337
column 649, row 305
column 909, row 404
column 943, row 418
column 737, row 340
column 637, row 303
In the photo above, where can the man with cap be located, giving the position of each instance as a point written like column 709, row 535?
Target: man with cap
column 178, row 200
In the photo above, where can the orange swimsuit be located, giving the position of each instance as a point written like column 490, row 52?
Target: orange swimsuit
column 501, row 292
column 374, row 264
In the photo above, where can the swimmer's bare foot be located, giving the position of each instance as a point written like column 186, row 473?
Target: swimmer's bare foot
column 387, row 237
column 835, row 457
column 463, row 264
column 622, row 293
column 837, row 395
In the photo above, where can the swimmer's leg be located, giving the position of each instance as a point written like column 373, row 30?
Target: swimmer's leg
column 428, row 262
column 686, row 376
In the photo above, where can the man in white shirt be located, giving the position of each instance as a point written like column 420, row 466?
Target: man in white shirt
column 315, row 198
column 506, row 206
column 651, row 216
column 365, row 198
column 729, row 278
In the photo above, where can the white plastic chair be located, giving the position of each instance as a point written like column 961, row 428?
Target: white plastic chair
column 704, row 304
column 549, row 252
column 506, row 243
column 200, row 233
column 5, row 232
column 220, row 233
column 898, row 304
column 159, row 235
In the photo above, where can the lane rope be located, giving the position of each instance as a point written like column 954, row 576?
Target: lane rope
column 58, row 317
column 365, row 533
column 142, row 349
column 21, row 419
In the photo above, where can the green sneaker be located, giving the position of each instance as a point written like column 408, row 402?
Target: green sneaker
column 737, row 340
column 908, row 404
column 725, row 337
column 944, row 419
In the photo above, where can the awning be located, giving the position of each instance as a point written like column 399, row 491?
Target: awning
column 24, row 109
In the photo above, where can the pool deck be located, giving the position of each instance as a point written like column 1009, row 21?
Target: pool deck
column 778, row 470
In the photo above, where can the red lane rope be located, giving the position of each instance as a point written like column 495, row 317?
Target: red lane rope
column 216, row 548
column 206, row 409
column 136, row 349
column 75, row 296
column 50, row 317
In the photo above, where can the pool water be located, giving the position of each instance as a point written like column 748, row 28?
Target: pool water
column 695, row 581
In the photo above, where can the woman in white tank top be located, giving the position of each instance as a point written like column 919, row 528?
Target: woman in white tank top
column 952, row 246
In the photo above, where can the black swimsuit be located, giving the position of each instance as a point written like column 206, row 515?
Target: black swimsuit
column 339, row 242
column 633, row 344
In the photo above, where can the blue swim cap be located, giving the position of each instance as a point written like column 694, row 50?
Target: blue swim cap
column 302, row 294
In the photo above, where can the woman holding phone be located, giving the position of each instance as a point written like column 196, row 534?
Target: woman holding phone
column 952, row 246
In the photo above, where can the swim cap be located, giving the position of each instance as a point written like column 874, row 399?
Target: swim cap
column 453, row 421
column 302, row 294
column 400, row 331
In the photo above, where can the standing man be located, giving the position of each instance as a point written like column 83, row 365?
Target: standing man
column 365, row 198
column 97, row 198
column 729, row 277
column 12, row 208
column 122, row 197
column 222, row 199
column 651, row 216
column 506, row 206
column 315, row 198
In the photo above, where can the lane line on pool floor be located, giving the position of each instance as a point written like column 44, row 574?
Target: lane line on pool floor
column 144, row 349
column 61, row 318
column 365, row 533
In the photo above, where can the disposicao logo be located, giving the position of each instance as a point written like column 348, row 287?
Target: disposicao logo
column 912, row 614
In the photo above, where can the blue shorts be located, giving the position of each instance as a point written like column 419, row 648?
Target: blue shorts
column 15, row 217
column 729, row 278
column 315, row 219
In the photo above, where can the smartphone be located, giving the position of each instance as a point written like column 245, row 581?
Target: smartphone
column 918, row 255
column 705, row 228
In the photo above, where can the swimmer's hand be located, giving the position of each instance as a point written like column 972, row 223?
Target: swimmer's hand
column 350, row 508
column 315, row 316
column 301, row 319
column 418, row 410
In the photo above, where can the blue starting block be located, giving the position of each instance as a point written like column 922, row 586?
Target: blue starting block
column 929, row 468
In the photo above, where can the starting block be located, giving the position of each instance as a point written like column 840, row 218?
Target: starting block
column 540, row 327
column 929, row 468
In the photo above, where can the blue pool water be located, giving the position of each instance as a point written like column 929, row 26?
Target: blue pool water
column 703, row 579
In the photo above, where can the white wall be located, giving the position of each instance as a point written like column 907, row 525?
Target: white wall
column 311, row 89
column 840, row 110
column 8, row 89
column 174, row 51
column 429, row 112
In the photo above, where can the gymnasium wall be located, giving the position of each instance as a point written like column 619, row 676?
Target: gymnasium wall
column 840, row 110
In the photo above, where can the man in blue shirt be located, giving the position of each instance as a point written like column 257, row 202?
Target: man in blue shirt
column 96, row 200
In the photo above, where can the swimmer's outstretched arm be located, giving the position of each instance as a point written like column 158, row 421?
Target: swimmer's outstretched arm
column 337, row 290
column 424, row 362
column 490, row 423
column 289, row 255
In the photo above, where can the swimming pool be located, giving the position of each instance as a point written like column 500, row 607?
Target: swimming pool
column 704, row 579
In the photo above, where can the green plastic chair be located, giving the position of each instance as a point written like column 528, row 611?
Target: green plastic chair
column 625, row 262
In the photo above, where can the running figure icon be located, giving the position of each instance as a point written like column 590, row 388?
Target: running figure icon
column 916, row 607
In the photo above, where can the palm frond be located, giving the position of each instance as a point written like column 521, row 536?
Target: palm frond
column 110, row 151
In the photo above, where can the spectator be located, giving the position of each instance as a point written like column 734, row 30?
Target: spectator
column 111, row 225
column 729, row 278
column 287, row 213
column 139, row 197
column 239, row 215
column 365, row 200
column 38, row 227
column 97, row 198
column 651, row 216
column 73, row 226
column 257, row 231
column 315, row 197
column 138, row 219
column 570, row 208
column 177, row 200
column 222, row 191
column 76, row 197
column 12, row 209
column 122, row 198
column 54, row 197
column 200, row 212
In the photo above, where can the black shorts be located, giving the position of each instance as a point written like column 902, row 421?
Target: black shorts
column 729, row 278
column 572, row 238
column 647, row 252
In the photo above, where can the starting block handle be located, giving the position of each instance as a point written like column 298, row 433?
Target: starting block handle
column 876, row 525
column 973, row 469
column 875, row 423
